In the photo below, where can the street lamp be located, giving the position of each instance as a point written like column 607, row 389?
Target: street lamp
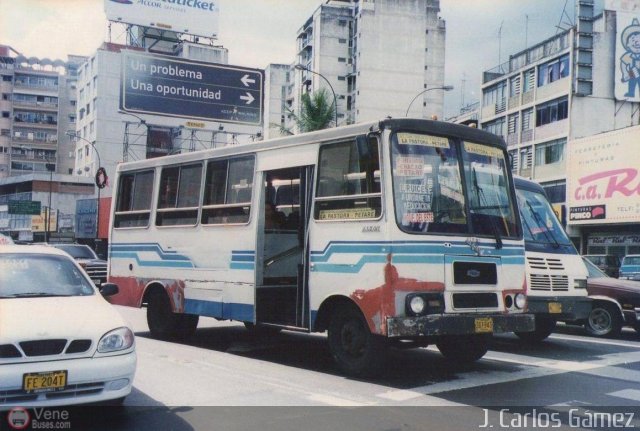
column 335, row 100
column 72, row 134
column 443, row 88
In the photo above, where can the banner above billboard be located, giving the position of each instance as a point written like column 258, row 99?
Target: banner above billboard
column 603, row 184
column 161, row 85
column 196, row 17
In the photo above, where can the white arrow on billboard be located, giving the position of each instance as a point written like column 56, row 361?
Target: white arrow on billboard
column 246, row 80
column 248, row 98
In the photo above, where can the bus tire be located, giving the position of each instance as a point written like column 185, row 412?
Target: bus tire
column 464, row 349
column 164, row 323
column 544, row 327
column 604, row 320
column 356, row 351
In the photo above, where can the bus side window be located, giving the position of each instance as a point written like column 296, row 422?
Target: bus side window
column 133, row 208
column 179, row 195
column 228, row 191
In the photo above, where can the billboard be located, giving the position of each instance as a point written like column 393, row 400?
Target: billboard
column 39, row 222
column 603, row 184
column 197, row 17
column 162, row 85
column 86, row 217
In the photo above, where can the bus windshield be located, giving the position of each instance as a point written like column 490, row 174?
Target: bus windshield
column 442, row 185
column 539, row 222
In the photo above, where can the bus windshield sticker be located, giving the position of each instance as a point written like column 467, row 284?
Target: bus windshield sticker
column 348, row 214
column 417, row 218
column 423, row 140
column 482, row 150
column 411, row 166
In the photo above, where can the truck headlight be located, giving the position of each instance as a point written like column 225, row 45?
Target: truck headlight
column 520, row 301
column 118, row 339
column 580, row 283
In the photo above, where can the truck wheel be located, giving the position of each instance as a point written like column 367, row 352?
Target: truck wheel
column 164, row 323
column 604, row 320
column 464, row 349
column 355, row 349
column 544, row 327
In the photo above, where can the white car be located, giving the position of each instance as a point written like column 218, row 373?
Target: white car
column 61, row 342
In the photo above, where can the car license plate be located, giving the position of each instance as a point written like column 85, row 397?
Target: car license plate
column 555, row 307
column 44, row 382
column 484, row 324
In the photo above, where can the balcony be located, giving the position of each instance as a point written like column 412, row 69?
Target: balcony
column 33, row 158
column 38, row 106
column 551, row 130
column 28, row 138
column 37, row 125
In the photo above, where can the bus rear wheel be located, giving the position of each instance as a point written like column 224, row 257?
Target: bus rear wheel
column 544, row 327
column 464, row 349
column 164, row 323
column 354, row 348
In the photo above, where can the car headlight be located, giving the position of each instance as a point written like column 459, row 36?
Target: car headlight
column 520, row 301
column 580, row 283
column 118, row 339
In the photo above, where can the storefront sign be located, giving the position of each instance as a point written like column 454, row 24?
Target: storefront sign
column 603, row 185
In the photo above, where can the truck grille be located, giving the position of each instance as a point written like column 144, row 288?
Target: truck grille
column 97, row 272
column 475, row 300
column 549, row 283
column 545, row 263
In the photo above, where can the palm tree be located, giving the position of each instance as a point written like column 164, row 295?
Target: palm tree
column 316, row 113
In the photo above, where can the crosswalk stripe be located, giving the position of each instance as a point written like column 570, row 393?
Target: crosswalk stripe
column 630, row 394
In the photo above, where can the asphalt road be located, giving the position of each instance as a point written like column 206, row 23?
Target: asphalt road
column 227, row 378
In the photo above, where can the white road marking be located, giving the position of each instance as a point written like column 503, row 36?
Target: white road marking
column 629, row 344
column 335, row 401
column 630, row 394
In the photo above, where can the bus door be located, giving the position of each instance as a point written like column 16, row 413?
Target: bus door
column 282, row 247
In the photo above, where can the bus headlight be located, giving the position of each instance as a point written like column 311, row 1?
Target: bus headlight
column 580, row 283
column 417, row 304
column 520, row 301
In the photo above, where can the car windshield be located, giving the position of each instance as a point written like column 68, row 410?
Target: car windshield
column 594, row 271
column 631, row 260
column 539, row 222
column 34, row 275
column 432, row 195
column 77, row 251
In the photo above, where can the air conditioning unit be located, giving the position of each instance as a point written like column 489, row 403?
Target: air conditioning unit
column 30, row 136
column 17, row 134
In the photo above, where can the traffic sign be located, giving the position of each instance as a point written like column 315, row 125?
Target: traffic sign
column 161, row 85
column 24, row 207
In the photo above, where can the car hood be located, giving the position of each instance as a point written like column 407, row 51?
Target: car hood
column 76, row 317
column 614, row 283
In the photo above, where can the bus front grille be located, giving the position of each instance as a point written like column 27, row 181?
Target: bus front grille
column 548, row 283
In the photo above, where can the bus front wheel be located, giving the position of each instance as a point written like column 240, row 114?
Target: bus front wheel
column 354, row 348
column 164, row 323
column 464, row 349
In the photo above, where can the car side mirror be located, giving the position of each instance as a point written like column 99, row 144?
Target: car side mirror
column 109, row 289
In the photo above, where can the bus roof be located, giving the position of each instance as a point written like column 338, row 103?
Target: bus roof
column 326, row 135
column 526, row 184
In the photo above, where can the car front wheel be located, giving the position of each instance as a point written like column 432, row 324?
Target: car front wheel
column 604, row 320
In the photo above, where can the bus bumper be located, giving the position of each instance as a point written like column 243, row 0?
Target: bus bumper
column 459, row 324
column 569, row 308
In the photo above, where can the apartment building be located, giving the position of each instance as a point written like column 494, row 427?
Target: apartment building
column 374, row 57
column 556, row 106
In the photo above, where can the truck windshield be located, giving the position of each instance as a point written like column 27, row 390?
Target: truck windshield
column 442, row 185
column 539, row 222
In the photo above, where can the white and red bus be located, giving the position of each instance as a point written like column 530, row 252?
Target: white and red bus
column 378, row 233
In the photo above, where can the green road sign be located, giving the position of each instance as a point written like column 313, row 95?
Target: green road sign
column 24, row 207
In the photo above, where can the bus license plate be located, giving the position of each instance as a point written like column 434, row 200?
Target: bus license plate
column 555, row 307
column 484, row 324
column 44, row 382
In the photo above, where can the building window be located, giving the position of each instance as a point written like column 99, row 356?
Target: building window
column 552, row 111
column 72, row 119
column 5, row 132
column 496, row 127
column 86, row 150
column 342, row 40
column 556, row 191
column 341, row 78
column 6, row 114
column 7, row 78
column 342, row 60
column 550, row 152
column 553, row 70
column 495, row 95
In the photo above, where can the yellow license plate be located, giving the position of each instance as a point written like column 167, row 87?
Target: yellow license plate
column 555, row 307
column 484, row 324
column 44, row 382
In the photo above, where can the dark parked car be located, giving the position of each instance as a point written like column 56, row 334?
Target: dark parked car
column 608, row 263
column 616, row 303
column 95, row 267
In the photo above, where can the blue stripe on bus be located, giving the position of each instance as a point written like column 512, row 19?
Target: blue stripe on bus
column 234, row 311
column 149, row 263
column 149, row 247
column 241, row 265
column 242, row 258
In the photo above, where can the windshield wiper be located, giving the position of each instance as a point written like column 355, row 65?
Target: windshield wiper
column 481, row 197
column 33, row 295
column 547, row 233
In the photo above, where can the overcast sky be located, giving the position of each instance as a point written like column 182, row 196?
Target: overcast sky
column 259, row 32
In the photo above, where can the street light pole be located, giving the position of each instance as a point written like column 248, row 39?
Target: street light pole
column 73, row 134
column 335, row 100
column 443, row 88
